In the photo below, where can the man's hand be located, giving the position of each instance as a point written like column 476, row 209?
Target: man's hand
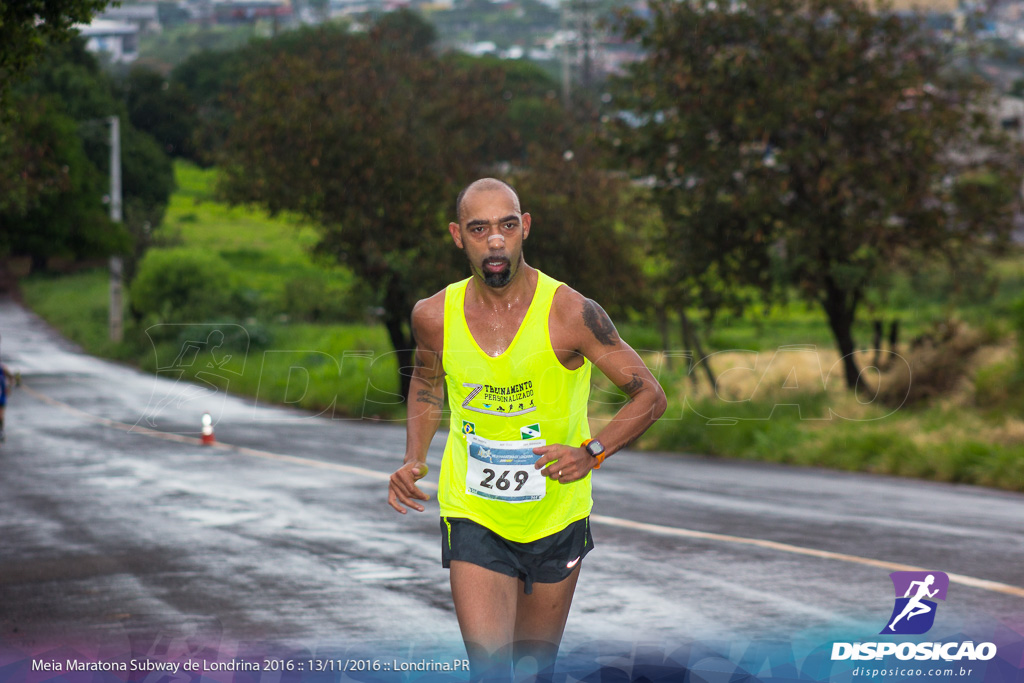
column 402, row 488
column 564, row 463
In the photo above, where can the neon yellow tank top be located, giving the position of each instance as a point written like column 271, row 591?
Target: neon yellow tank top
column 525, row 394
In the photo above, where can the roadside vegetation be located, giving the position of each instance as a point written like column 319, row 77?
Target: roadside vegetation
column 780, row 396
column 820, row 272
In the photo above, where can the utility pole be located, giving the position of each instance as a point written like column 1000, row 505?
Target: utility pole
column 566, row 78
column 116, row 264
column 580, row 30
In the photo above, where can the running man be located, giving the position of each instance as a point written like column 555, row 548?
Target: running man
column 514, row 349
column 5, row 376
column 914, row 606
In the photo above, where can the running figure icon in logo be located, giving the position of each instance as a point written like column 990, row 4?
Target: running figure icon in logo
column 916, row 588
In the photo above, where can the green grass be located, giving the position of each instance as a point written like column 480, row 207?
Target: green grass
column 339, row 370
column 78, row 306
column 265, row 253
column 916, row 444
column 202, row 222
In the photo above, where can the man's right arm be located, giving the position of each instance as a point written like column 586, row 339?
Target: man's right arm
column 425, row 404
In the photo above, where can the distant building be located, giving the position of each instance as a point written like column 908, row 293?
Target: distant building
column 436, row 6
column 118, row 40
column 248, row 11
column 480, row 48
column 145, row 17
column 922, row 6
column 344, row 8
column 1009, row 112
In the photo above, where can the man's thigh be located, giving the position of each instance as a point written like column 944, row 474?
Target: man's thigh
column 485, row 604
column 541, row 615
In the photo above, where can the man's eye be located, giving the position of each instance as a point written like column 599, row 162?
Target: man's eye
column 510, row 226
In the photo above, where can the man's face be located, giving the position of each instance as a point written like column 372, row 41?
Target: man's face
column 491, row 232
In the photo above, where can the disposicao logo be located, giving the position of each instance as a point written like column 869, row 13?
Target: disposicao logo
column 916, row 593
column 913, row 614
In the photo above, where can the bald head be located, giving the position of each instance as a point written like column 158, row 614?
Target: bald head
column 484, row 185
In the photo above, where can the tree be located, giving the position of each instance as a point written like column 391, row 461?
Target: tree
column 582, row 232
column 27, row 26
column 372, row 144
column 531, row 108
column 808, row 144
column 33, row 164
column 61, row 214
column 56, row 205
column 161, row 109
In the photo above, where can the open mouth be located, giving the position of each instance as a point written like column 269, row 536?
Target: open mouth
column 495, row 265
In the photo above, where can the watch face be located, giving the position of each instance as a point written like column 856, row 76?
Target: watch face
column 595, row 448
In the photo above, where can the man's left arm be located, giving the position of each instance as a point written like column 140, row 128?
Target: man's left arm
column 597, row 339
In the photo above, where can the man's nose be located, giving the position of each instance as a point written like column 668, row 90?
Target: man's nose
column 496, row 241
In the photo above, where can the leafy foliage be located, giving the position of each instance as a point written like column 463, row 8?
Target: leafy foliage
column 370, row 143
column 181, row 285
column 808, row 144
column 371, row 137
column 27, row 26
column 55, row 176
column 53, row 208
column 162, row 109
column 577, row 236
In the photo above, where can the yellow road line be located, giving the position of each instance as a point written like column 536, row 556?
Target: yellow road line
column 799, row 550
column 656, row 529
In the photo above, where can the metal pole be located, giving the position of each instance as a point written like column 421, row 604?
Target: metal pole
column 116, row 265
column 566, row 80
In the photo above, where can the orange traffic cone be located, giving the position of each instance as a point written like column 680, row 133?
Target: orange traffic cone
column 207, row 437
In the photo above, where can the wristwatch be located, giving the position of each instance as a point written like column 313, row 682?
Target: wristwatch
column 596, row 450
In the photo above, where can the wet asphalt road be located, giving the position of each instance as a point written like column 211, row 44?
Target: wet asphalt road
column 110, row 535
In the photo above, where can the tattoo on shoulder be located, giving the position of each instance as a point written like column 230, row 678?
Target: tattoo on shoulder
column 632, row 386
column 599, row 324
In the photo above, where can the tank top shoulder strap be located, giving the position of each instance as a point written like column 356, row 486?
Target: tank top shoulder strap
column 454, row 309
column 544, row 297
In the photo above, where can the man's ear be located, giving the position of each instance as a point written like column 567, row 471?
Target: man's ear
column 526, row 225
column 456, row 234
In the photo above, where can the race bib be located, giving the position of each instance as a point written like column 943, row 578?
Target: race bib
column 503, row 470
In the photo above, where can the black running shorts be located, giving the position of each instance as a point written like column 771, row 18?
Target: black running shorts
column 548, row 560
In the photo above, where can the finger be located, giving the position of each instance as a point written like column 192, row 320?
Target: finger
column 405, row 500
column 391, row 501
column 541, row 450
column 403, row 485
column 417, row 492
column 545, row 460
column 407, row 488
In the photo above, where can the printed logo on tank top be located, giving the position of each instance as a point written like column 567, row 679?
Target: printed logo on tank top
column 507, row 401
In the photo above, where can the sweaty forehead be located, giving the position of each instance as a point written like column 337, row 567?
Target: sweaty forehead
column 488, row 204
